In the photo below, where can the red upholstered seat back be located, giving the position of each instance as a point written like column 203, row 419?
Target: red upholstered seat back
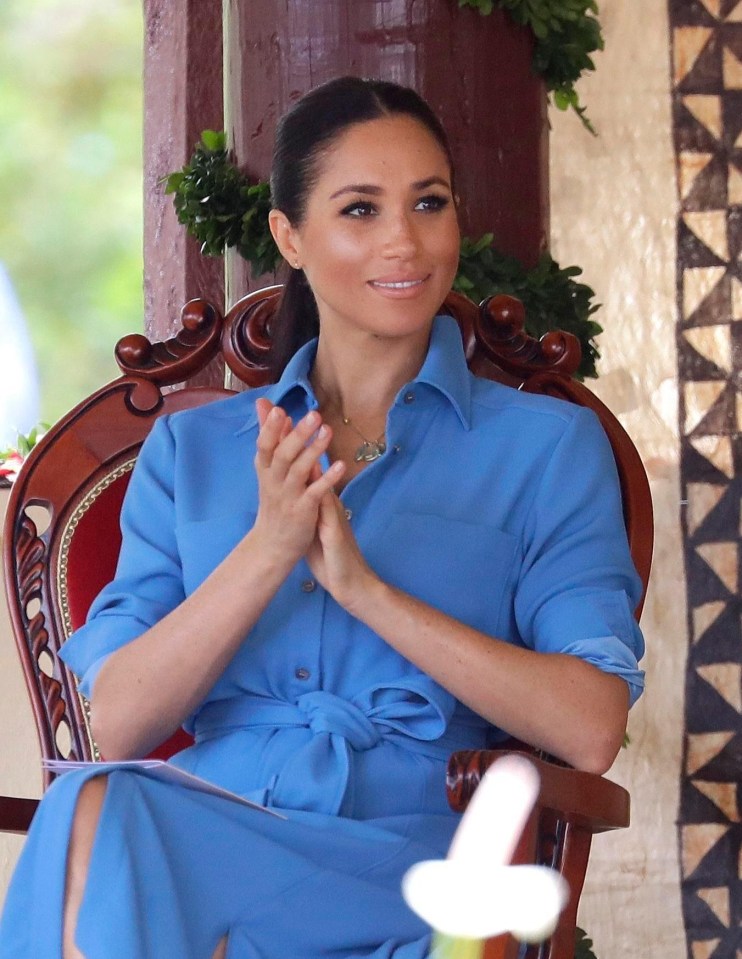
column 94, row 550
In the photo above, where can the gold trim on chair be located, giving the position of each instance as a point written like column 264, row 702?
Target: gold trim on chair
column 62, row 562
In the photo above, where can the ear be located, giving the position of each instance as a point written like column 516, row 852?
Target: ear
column 286, row 237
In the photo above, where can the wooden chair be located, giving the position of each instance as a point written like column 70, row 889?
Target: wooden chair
column 62, row 541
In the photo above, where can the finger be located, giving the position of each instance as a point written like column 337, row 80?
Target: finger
column 329, row 512
column 325, row 516
column 263, row 407
column 317, row 489
column 270, row 436
column 307, row 468
column 296, row 442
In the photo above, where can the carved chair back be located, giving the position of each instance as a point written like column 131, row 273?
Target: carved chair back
column 62, row 537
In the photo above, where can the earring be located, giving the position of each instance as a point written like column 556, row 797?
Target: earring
column 297, row 265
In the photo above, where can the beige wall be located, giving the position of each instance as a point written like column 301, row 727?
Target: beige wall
column 20, row 758
column 613, row 213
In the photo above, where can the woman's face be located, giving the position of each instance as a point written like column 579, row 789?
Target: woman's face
column 379, row 244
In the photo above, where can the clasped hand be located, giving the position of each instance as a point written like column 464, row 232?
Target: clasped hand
column 299, row 513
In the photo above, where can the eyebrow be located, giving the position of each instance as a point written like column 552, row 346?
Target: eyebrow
column 370, row 190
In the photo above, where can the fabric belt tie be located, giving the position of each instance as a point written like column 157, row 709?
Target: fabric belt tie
column 328, row 713
column 413, row 714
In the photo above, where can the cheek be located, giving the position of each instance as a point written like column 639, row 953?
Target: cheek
column 447, row 249
column 337, row 258
column 346, row 248
column 332, row 257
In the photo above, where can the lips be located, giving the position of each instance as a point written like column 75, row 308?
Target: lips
column 397, row 284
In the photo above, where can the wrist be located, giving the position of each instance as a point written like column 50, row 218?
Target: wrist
column 366, row 597
column 267, row 557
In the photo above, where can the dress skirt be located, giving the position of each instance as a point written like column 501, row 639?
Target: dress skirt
column 174, row 870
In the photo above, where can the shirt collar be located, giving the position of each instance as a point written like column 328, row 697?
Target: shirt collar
column 444, row 370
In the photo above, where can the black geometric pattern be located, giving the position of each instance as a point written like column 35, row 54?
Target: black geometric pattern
column 706, row 37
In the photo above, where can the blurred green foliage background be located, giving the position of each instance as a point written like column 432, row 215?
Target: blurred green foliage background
column 71, row 183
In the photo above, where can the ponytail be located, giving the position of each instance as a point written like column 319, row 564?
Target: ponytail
column 295, row 322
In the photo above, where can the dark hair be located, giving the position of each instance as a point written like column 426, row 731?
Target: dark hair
column 304, row 133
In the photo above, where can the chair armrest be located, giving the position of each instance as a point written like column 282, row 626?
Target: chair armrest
column 584, row 799
column 16, row 814
column 571, row 806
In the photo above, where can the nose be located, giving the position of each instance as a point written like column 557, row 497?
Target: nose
column 401, row 240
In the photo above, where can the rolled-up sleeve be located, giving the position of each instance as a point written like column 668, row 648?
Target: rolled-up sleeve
column 578, row 585
column 148, row 583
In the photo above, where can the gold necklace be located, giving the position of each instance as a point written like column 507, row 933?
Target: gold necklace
column 369, row 450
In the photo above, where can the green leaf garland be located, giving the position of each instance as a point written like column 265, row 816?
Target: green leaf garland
column 566, row 35
column 221, row 208
column 551, row 296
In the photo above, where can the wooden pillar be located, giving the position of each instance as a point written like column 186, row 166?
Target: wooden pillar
column 182, row 96
column 475, row 71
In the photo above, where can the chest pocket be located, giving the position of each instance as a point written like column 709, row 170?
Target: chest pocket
column 205, row 543
column 463, row 569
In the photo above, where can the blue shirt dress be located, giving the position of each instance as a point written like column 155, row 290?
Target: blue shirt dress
column 500, row 508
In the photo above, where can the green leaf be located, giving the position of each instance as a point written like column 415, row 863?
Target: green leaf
column 172, row 182
column 214, row 140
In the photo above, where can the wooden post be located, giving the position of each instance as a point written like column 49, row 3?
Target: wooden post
column 474, row 70
column 182, row 96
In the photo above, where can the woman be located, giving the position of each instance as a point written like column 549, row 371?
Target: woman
column 397, row 576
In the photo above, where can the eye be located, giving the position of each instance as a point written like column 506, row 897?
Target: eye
column 432, row 203
column 361, row 208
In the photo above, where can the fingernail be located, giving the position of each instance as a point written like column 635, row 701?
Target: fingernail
column 311, row 418
column 275, row 413
column 322, row 432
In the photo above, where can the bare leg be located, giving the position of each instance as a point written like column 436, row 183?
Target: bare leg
column 84, row 826
column 82, row 835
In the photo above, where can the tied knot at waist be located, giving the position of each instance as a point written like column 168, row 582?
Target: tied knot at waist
column 414, row 710
column 327, row 713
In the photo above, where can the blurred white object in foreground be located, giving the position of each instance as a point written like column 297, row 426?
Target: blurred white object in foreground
column 474, row 893
column 19, row 391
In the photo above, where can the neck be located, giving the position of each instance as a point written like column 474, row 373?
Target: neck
column 359, row 376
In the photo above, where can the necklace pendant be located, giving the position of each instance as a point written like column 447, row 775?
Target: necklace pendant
column 369, row 451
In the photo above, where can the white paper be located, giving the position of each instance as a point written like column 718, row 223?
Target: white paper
column 164, row 772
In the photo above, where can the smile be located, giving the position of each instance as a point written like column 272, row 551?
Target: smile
column 397, row 284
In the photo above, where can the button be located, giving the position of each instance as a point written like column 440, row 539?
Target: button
column 349, row 514
column 308, row 586
column 302, row 673
column 396, row 448
column 409, row 397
